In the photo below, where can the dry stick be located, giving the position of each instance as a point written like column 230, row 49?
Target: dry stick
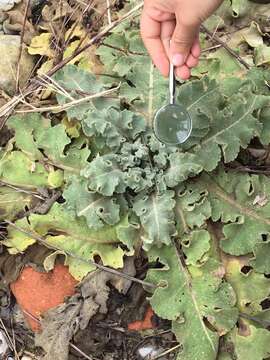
column 22, row 190
column 60, row 108
column 11, row 344
column 214, row 47
column 264, row 323
column 21, row 45
column 223, row 44
column 7, row 109
column 42, row 241
column 109, row 12
column 167, row 352
column 80, row 352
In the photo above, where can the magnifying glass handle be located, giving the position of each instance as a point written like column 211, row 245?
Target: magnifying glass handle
column 172, row 84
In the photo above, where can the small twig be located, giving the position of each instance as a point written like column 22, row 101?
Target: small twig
column 214, row 47
column 109, row 12
column 167, row 352
column 21, row 45
column 3, row 183
column 247, row 169
column 80, row 352
column 223, row 44
column 126, row 52
column 264, row 323
column 11, row 344
column 43, row 241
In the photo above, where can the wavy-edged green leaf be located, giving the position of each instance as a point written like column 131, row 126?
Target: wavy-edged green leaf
column 200, row 295
column 95, row 208
column 71, row 84
column 34, row 133
column 182, row 166
column 196, row 247
column 244, row 283
column 200, row 99
column 115, row 127
column 235, row 199
column 25, row 128
column 86, row 250
column 105, row 176
column 157, row 217
column 192, row 207
column 260, row 262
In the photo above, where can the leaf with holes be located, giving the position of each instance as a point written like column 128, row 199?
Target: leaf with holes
column 234, row 200
column 105, row 175
column 96, row 209
column 157, row 217
column 200, row 298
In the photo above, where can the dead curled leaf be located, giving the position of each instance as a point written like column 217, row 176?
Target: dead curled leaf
column 61, row 323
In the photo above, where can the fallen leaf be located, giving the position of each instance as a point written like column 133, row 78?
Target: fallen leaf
column 41, row 45
column 61, row 323
column 37, row 292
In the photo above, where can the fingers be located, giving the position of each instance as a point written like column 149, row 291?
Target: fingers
column 157, row 29
column 167, row 29
column 196, row 48
column 183, row 39
column 151, row 35
column 183, row 72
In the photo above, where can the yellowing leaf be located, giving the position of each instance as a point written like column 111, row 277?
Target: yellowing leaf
column 73, row 32
column 41, row 45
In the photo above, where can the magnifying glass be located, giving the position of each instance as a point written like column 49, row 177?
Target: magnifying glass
column 172, row 123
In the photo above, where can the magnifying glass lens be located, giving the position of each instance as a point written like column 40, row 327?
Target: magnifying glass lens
column 172, row 124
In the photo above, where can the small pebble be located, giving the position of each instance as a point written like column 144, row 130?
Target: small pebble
column 149, row 352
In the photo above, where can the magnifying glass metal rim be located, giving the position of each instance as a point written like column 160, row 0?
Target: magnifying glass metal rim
column 167, row 142
column 171, row 102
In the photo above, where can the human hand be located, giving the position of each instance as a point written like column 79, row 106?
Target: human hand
column 178, row 21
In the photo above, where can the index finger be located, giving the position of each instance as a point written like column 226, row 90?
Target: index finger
column 151, row 35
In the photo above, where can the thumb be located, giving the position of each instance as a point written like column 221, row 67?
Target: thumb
column 182, row 41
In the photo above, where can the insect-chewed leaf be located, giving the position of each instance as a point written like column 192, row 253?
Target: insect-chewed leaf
column 199, row 297
column 192, row 207
column 196, row 247
column 248, row 301
column 182, row 166
column 253, row 345
column 157, row 217
column 105, row 176
column 95, row 208
column 242, row 201
column 261, row 253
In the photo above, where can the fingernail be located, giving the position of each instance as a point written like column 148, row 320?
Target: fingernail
column 178, row 60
